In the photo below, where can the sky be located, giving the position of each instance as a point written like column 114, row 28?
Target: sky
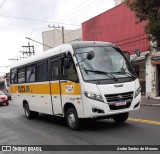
column 29, row 18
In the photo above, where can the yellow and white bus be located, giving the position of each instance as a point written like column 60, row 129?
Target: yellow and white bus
column 79, row 80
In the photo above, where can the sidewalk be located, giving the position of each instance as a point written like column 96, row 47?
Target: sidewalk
column 150, row 102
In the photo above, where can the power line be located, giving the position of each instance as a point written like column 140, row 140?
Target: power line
column 13, row 59
column 134, row 41
column 21, row 18
column 37, row 20
column 2, row 4
column 5, row 66
column 130, row 38
column 72, row 12
column 73, row 15
column 38, row 42
column 65, row 15
column 31, row 19
column 109, row 27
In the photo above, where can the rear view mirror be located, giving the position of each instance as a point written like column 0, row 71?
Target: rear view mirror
column 90, row 55
column 137, row 52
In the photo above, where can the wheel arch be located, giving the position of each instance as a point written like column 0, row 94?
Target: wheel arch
column 24, row 102
column 67, row 106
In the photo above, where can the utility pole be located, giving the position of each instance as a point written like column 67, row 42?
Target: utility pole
column 63, row 41
column 30, row 52
column 63, row 34
column 23, row 52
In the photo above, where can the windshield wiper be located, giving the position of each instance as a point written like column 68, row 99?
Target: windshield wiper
column 105, row 73
column 83, row 68
column 127, row 73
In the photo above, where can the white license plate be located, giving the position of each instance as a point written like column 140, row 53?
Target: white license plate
column 120, row 103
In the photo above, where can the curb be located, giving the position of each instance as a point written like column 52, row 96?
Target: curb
column 157, row 105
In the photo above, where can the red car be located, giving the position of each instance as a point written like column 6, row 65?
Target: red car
column 3, row 98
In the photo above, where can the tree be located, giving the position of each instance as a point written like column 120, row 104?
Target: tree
column 148, row 10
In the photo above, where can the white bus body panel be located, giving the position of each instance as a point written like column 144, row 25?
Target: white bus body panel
column 104, row 90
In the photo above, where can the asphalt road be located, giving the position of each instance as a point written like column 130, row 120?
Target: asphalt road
column 15, row 129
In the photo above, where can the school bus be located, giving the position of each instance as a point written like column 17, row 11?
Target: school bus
column 79, row 80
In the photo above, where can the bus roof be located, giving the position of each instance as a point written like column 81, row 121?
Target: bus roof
column 61, row 49
column 80, row 44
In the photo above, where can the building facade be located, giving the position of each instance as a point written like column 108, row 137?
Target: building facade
column 53, row 38
column 118, row 25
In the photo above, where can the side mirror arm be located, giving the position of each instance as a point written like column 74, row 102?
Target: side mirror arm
column 80, row 61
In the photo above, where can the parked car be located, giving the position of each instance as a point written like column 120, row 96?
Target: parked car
column 4, row 87
column 3, row 98
column 8, row 95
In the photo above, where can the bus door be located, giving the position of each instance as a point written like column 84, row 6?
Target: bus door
column 69, row 83
column 55, row 86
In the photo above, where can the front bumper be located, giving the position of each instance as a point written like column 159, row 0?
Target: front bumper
column 103, row 109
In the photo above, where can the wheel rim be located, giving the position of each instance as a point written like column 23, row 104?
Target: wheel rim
column 71, row 119
column 26, row 110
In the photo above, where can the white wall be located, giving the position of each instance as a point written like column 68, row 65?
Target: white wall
column 53, row 38
column 150, row 78
column 117, row 2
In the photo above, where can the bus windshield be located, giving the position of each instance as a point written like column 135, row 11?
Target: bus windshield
column 108, row 63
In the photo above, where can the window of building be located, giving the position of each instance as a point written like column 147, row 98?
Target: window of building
column 30, row 73
column 42, row 71
column 21, row 75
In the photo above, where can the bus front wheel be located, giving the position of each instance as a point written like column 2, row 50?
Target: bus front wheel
column 120, row 118
column 72, row 119
column 28, row 113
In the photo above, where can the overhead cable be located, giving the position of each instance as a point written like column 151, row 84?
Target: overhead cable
column 2, row 4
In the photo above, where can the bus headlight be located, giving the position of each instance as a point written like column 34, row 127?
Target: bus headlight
column 138, row 91
column 94, row 96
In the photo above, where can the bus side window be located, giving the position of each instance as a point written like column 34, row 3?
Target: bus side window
column 30, row 73
column 21, row 75
column 55, row 70
column 69, row 73
column 13, row 76
column 42, row 71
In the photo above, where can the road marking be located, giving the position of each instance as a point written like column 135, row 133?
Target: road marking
column 145, row 121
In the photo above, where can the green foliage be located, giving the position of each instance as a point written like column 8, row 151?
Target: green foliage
column 148, row 10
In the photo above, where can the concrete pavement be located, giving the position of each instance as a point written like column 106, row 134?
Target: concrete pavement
column 150, row 102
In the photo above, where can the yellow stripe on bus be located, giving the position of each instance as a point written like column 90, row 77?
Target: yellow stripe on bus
column 45, row 88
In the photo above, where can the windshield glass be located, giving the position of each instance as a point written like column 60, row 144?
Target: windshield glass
column 108, row 63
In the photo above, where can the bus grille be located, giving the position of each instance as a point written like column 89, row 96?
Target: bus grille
column 113, row 98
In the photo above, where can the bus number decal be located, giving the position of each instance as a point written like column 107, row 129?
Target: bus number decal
column 24, row 89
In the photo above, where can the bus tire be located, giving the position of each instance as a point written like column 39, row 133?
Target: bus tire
column 7, row 103
column 28, row 113
column 72, row 119
column 120, row 118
